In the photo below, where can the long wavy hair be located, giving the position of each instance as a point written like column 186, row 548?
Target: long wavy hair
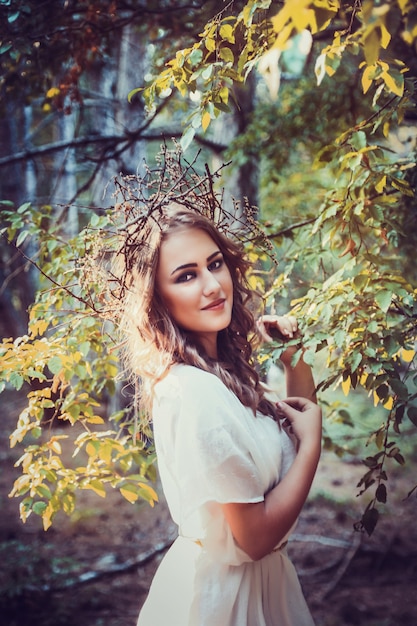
column 152, row 341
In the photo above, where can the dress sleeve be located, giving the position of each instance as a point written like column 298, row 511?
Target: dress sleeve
column 211, row 439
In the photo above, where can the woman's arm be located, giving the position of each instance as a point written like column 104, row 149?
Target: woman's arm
column 259, row 527
column 299, row 379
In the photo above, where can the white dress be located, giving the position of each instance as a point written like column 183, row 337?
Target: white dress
column 212, row 450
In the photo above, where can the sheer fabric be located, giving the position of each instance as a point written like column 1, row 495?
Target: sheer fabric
column 212, row 450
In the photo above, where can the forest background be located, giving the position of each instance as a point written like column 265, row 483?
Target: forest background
column 312, row 104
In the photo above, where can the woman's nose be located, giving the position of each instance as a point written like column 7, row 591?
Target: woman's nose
column 211, row 284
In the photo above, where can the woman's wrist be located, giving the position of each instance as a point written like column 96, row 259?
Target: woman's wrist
column 310, row 446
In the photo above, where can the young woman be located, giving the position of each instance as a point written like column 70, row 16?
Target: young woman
column 235, row 467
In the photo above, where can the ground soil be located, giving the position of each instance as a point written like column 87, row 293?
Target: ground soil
column 94, row 569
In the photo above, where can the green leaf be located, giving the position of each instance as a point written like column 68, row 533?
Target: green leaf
column 403, row 186
column 399, row 388
column 227, row 55
column 382, row 391
column 381, row 493
column 195, row 57
column 55, row 364
column 370, row 520
column 412, row 414
column 360, row 282
column 399, row 458
column 95, row 220
column 39, row 508
column 16, row 380
column 84, row 347
column 44, row 491
column 13, row 17
column 97, row 486
column 132, row 93
column 24, row 207
column 21, row 237
column 383, row 299
column 355, row 361
column 358, row 140
column 309, row 357
column 221, row 106
column 187, row 138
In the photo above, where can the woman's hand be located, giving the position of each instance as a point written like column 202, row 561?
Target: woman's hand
column 281, row 328
column 303, row 418
column 272, row 327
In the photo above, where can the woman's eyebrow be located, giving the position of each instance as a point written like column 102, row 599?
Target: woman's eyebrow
column 209, row 258
column 183, row 267
column 188, row 265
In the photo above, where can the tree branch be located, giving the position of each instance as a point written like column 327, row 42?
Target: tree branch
column 289, row 229
column 93, row 575
column 90, row 305
column 112, row 140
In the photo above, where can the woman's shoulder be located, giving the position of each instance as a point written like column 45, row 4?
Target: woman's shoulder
column 191, row 383
column 184, row 375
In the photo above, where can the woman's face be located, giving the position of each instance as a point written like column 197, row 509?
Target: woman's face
column 195, row 284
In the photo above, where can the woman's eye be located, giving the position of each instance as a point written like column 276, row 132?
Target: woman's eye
column 184, row 278
column 216, row 265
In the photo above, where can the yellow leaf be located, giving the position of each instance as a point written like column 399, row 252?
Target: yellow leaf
column 302, row 18
column 205, row 120
column 385, row 36
column 389, row 404
column 346, row 385
column 47, row 516
column 371, row 47
column 90, row 449
column 210, row 43
column 151, row 492
column 404, row 4
column 129, row 495
column 367, row 77
column 52, row 92
column 95, row 419
column 38, row 327
column 379, row 187
column 407, row 355
column 283, row 36
column 20, row 485
column 226, row 32
column 55, row 446
column 224, row 94
column 25, row 510
column 396, row 86
column 97, row 487
column 363, row 379
column 105, row 452
column 280, row 19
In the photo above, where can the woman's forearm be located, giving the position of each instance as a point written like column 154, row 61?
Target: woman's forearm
column 261, row 526
column 300, row 381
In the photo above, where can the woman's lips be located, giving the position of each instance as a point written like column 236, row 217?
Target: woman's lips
column 217, row 304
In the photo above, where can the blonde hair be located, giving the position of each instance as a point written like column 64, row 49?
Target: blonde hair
column 152, row 340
